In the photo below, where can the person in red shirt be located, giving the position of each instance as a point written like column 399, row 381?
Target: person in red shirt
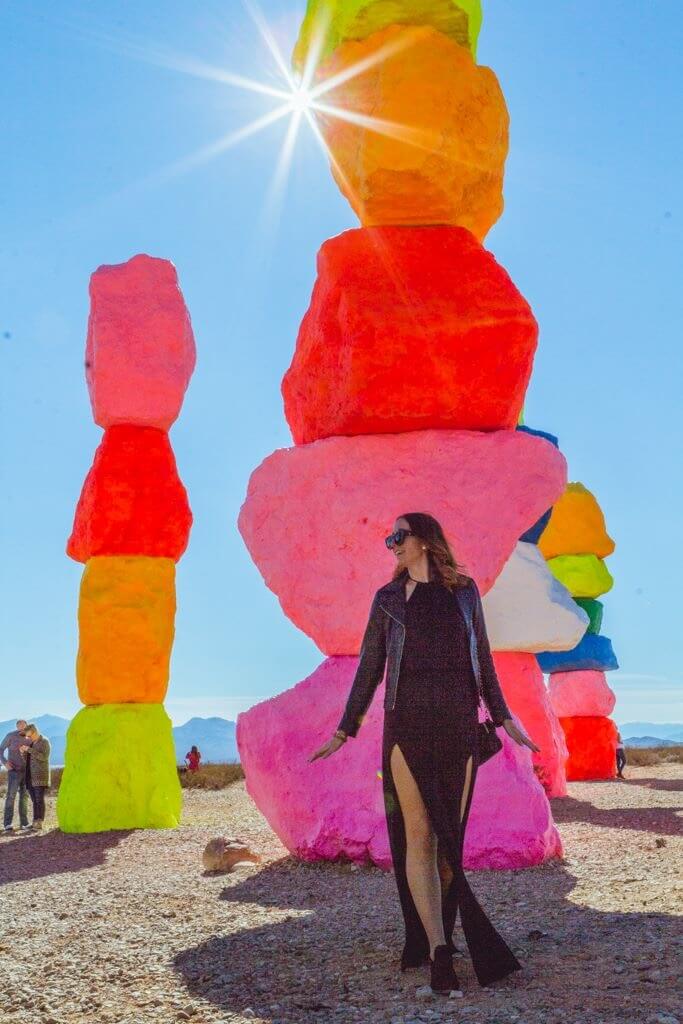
column 193, row 759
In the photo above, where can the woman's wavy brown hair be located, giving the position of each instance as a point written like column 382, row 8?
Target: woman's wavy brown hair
column 442, row 564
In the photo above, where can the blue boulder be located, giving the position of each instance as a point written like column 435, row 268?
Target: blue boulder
column 533, row 534
column 594, row 653
column 540, row 433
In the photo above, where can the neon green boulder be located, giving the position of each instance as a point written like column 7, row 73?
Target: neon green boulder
column 582, row 575
column 330, row 22
column 120, row 770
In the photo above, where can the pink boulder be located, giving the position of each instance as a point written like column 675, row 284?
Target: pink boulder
column 580, row 693
column 526, row 695
column 334, row 808
column 315, row 516
column 140, row 350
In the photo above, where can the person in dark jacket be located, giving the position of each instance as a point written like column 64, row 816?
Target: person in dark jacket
column 37, row 772
column 14, row 760
column 426, row 627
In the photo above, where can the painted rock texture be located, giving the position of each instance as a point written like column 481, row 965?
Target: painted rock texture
column 315, row 516
column 334, row 808
column 582, row 575
column 580, row 693
column 126, row 618
column 120, row 770
column 594, row 611
column 140, row 350
column 522, row 683
column 438, row 155
column 592, row 744
column 527, row 609
column 132, row 502
column 577, row 526
column 594, row 653
column 330, row 22
column 382, row 296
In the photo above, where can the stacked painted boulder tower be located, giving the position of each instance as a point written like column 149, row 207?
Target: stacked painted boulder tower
column 404, row 394
column 575, row 542
column 132, row 524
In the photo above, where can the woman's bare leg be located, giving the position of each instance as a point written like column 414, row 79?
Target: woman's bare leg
column 421, row 848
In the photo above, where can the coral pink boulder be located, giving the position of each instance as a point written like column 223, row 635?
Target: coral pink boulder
column 315, row 516
column 522, row 682
column 580, row 693
column 592, row 744
column 386, row 297
column 132, row 502
column 140, row 350
column 334, row 808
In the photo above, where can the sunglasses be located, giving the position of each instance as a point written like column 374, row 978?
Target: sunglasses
column 397, row 538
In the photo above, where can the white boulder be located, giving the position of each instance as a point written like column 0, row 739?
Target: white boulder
column 527, row 609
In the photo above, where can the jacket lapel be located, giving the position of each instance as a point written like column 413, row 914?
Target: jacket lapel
column 393, row 599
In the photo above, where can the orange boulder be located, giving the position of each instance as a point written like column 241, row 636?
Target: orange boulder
column 576, row 526
column 132, row 502
column 126, row 616
column 592, row 743
column 409, row 329
column 419, row 135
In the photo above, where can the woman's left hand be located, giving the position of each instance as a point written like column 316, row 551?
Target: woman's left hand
column 518, row 736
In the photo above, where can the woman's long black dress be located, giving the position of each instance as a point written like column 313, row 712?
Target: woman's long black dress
column 434, row 723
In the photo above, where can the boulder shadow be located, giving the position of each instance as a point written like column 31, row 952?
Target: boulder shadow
column 23, row 858
column 658, row 820
column 664, row 785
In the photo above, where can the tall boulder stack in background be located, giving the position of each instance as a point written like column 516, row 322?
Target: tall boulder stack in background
column 404, row 394
column 575, row 542
column 132, row 524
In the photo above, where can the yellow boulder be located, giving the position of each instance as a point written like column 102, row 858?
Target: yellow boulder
column 420, row 135
column 120, row 770
column 330, row 22
column 126, row 618
column 576, row 527
column 582, row 575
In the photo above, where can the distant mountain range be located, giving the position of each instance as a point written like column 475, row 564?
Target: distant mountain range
column 652, row 734
column 215, row 738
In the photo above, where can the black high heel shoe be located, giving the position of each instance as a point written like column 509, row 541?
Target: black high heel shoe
column 412, row 957
column 444, row 979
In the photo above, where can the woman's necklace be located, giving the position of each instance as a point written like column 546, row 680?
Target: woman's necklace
column 417, row 581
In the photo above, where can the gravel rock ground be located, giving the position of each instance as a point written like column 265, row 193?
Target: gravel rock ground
column 126, row 928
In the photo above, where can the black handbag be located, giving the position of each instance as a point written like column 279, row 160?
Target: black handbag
column 488, row 741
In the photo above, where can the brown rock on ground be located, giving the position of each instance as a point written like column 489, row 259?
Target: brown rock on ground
column 223, row 854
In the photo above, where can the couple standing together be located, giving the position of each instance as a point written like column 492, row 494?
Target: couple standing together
column 26, row 756
column 427, row 628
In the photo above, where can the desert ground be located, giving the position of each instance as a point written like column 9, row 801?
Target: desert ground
column 128, row 929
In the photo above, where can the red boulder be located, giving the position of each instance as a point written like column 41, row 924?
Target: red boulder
column 132, row 502
column 592, row 743
column 409, row 328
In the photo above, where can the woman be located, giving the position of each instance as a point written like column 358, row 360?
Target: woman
column 193, row 759
column 37, row 773
column 427, row 625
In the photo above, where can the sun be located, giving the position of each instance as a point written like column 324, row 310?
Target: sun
column 301, row 100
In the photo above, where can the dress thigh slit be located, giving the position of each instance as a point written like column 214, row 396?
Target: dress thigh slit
column 446, row 789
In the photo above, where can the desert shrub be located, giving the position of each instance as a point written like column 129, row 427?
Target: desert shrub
column 644, row 756
column 209, row 776
column 212, row 776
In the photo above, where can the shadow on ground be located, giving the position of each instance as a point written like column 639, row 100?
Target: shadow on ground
column 333, row 951
column 53, row 853
column 662, row 821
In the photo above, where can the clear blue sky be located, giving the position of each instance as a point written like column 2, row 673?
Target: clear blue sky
column 591, row 235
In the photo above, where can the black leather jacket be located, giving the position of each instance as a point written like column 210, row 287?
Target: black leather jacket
column 383, row 646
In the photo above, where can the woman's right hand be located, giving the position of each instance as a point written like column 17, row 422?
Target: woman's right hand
column 328, row 748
